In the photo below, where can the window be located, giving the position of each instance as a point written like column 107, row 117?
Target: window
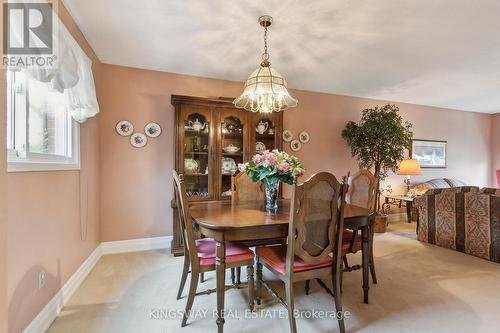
column 41, row 134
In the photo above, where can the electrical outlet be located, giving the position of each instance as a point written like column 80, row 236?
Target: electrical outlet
column 41, row 279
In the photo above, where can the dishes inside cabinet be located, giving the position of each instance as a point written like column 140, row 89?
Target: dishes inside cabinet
column 260, row 147
column 231, row 149
column 229, row 166
column 191, row 166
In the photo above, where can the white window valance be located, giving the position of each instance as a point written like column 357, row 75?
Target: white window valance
column 71, row 74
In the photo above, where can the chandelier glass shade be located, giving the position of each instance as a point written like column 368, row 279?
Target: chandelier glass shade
column 265, row 90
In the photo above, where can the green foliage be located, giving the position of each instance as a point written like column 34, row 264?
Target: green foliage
column 379, row 140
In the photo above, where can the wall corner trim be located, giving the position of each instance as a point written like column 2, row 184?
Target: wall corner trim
column 50, row 312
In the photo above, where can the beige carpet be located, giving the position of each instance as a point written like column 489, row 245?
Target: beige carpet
column 422, row 288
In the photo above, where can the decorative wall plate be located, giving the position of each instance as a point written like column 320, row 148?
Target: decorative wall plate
column 138, row 140
column 260, row 147
column 304, row 137
column 124, row 128
column 295, row 145
column 287, row 135
column 153, row 130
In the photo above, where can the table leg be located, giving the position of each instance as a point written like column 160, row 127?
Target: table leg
column 408, row 211
column 365, row 253
column 221, row 283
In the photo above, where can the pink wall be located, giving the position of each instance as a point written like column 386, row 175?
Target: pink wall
column 44, row 231
column 136, row 188
column 495, row 146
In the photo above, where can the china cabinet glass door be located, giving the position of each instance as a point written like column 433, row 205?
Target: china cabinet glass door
column 232, row 148
column 197, row 155
column 265, row 133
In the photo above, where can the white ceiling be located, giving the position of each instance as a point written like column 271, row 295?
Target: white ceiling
column 442, row 53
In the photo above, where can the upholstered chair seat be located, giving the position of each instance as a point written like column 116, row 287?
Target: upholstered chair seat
column 205, row 249
column 275, row 256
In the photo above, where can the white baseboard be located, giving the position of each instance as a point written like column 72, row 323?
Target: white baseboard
column 397, row 217
column 136, row 245
column 50, row 312
column 45, row 318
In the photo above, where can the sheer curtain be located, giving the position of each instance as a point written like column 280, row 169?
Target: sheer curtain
column 71, row 74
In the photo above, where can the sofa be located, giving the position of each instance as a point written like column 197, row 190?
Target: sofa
column 464, row 219
column 434, row 184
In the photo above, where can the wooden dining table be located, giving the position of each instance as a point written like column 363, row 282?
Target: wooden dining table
column 248, row 221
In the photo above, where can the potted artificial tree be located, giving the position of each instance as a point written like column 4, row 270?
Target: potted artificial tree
column 379, row 142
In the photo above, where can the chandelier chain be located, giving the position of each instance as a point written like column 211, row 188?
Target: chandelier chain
column 265, row 55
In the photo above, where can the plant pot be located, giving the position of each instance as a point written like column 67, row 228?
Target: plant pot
column 380, row 224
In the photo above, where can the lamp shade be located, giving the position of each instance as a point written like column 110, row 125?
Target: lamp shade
column 409, row 167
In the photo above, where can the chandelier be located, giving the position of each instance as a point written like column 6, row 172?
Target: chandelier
column 265, row 90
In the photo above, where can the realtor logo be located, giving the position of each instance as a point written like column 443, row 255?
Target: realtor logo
column 28, row 33
column 27, row 28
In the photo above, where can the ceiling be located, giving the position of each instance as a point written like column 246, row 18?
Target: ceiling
column 442, row 53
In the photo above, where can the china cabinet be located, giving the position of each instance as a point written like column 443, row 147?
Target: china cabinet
column 212, row 138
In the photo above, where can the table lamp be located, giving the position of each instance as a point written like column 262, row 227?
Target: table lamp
column 409, row 167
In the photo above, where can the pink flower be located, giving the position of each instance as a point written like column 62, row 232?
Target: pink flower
column 269, row 157
column 284, row 167
column 257, row 159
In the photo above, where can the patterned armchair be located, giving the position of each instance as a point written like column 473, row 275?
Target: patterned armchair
column 462, row 219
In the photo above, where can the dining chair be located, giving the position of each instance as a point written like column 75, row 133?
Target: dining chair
column 362, row 192
column 200, row 254
column 244, row 189
column 313, row 249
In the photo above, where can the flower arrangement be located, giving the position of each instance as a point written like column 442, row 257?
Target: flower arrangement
column 272, row 167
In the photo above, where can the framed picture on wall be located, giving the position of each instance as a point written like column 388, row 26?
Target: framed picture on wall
column 430, row 153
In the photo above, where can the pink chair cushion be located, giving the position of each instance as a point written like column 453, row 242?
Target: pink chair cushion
column 275, row 256
column 234, row 251
column 498, row 177
column 347, row 239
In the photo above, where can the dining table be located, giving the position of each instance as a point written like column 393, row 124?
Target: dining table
column 249, row 221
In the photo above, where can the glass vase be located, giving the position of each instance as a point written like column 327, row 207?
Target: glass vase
column 271, row 198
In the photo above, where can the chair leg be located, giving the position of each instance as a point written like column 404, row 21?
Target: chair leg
column 336, row 282
column 202, row 277
column 346, row 263
column 259, row 279
column 290, row 303
column 372, row 263
column 372, row 270
column 233, row 279
column 307, row 287
column 192, row 292
column 185, row 271
column 251, row 292
column 238, row 275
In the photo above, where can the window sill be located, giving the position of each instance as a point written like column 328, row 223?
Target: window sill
column 38, row 166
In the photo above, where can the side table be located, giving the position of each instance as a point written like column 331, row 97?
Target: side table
column 399, row 201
